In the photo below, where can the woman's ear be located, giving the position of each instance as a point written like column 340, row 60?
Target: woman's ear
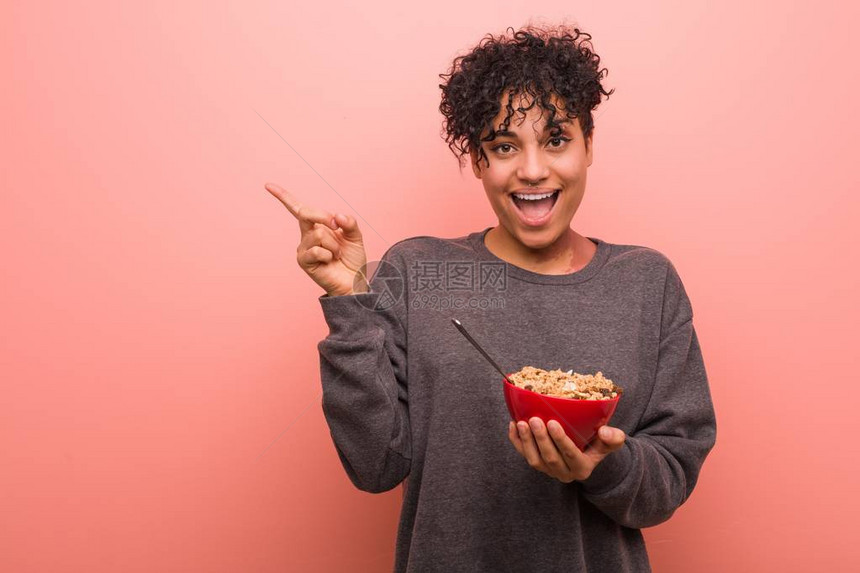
column 589, row 147
column 476, row 169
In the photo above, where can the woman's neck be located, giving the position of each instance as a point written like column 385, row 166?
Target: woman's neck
column 570, row 253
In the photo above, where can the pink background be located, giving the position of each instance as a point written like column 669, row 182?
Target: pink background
column 160, row 406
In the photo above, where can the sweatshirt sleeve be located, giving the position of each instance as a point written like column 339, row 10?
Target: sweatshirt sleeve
column 644, row 482
column 363, row 374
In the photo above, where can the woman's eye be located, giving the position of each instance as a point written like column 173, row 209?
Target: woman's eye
column 503, row 148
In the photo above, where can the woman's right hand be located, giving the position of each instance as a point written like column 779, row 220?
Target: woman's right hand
column 331, row 249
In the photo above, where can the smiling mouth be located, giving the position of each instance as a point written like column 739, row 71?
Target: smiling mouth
column 535, row 209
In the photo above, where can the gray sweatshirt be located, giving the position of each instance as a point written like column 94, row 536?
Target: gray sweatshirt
column 406, row 396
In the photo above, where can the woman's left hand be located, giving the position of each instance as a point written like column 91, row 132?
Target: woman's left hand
column 547, row 448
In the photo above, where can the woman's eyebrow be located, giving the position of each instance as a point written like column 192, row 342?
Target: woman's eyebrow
column 507, row 133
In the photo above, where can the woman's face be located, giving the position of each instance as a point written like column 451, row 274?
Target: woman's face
column 527, row 153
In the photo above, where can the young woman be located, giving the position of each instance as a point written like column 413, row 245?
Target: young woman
column 404, row 394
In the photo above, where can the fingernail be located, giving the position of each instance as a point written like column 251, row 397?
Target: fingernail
column 534, row 424
column 522, row 427
column 605, row 433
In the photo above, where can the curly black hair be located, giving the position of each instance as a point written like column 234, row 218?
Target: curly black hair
column 540, row 61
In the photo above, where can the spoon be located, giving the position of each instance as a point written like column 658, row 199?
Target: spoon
column 468, row 336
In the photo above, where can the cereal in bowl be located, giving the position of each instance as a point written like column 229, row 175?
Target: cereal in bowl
column 561, row 384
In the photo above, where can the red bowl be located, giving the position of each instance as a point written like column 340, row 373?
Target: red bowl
column 580, row 419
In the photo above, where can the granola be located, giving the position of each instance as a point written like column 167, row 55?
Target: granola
column 561, row 384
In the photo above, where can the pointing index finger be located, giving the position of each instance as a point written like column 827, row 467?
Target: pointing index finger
column 284, row 197
column 304, row 214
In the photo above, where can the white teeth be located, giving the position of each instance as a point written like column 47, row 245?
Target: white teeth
column 533, row 197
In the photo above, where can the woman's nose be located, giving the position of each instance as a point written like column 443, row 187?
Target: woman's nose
column 534, row 166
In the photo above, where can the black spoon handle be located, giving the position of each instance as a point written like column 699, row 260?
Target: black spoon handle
column 468, row 336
